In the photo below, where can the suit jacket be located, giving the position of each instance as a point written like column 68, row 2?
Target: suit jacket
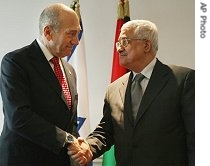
column 36, row 115
column 163, row 132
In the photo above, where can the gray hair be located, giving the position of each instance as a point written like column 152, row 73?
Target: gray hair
column 145, row 30
column 50, row 16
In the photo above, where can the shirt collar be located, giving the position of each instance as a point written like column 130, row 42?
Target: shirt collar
column 147, row 71
column 44, row 49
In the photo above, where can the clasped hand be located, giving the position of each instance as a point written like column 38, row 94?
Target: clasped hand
column 80, row 152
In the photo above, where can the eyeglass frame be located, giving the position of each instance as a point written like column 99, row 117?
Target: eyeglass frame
column 119, row 44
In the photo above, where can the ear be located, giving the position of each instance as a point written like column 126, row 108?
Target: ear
column 48, row 32
column 147, row 46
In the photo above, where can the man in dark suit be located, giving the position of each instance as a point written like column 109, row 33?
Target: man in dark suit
column 162, row 132
column 38, row 115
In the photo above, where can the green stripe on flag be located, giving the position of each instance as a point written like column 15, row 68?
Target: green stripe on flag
column 108, row 158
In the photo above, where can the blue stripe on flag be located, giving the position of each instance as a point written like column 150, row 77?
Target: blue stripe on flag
column 79, row 36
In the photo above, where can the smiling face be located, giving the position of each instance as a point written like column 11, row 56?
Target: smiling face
column 61, row 35
column 134, row 48
column 63, row 39
column 132, row 55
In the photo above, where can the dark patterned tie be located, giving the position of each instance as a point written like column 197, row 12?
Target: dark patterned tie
column 136, row 93
column 59, row 74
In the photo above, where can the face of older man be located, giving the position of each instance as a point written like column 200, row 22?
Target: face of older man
column 61, row 41
column 131, row 49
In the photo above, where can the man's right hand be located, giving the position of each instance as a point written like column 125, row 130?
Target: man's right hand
column 80, row 151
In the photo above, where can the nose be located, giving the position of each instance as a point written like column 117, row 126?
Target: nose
column 75, row 40
column 119, row 48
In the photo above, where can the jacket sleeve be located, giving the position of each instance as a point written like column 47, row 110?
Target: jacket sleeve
column 18, row 109
column 188, row 114
column 101, row 139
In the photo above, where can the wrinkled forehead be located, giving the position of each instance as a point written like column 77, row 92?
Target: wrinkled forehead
column 71, row 22
column 73, row 26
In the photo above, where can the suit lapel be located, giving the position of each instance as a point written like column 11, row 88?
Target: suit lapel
column 42, row 66
column 122, row 89
column 69, row 78
column 127, row 101
column 157, row 81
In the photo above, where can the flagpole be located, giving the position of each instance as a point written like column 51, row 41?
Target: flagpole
column 117, row 70
column 77, row 59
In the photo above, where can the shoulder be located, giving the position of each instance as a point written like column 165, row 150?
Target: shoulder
column 121, row 80
column 173, row 70
column 181, row 71
column 21, row 53
column 179, row 74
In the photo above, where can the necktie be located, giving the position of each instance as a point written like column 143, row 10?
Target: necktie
column 136, row 93
column 61, row 79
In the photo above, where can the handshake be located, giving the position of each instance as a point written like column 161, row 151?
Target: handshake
column 79, row 151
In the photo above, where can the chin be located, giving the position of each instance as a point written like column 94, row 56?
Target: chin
column 124, row 64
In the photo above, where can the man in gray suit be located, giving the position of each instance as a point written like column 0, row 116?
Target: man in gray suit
column 162, row 132
column 40, row 117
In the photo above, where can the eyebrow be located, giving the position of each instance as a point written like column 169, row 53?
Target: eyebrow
column 71, row 30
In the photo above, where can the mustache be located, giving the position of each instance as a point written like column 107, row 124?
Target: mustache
column 123, row 54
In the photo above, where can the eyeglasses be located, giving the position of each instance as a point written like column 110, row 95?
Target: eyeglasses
column 123, row 42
